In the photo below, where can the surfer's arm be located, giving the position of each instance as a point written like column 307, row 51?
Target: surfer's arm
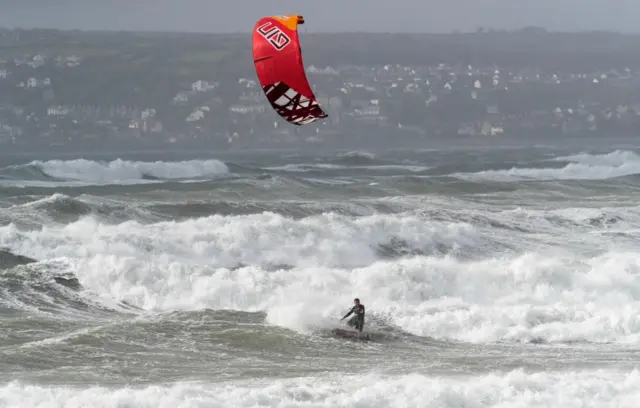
column 347, row 315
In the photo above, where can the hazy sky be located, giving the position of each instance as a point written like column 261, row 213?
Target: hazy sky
column 323, row 15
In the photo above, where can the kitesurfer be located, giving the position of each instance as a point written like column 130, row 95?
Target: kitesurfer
column 357, row 321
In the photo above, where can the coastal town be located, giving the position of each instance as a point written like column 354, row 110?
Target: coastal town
column 83, row 89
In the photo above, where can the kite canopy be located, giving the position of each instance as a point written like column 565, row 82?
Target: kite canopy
column 278, row 59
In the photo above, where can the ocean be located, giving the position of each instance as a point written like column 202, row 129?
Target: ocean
column 491, row 277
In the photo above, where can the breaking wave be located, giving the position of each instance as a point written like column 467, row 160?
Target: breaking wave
column 580, row 167
column 429, row 278
column 58, row 173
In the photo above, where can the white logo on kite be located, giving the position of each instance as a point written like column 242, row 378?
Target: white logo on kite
column 274, row 35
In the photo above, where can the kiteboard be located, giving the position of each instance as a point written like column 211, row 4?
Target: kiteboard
column 277, row 57
column 351, row 334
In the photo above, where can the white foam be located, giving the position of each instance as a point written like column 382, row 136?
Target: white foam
column 583, row 167
column 88, row 172
column 615, row 158
column 542, row 292
column 256, row 239
column 587, row 389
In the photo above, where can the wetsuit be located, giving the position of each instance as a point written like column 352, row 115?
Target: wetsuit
column 357, row 321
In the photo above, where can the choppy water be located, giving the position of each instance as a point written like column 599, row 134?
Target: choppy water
column 492, row 278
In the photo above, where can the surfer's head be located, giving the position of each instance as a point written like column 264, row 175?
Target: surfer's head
column 356, row 301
